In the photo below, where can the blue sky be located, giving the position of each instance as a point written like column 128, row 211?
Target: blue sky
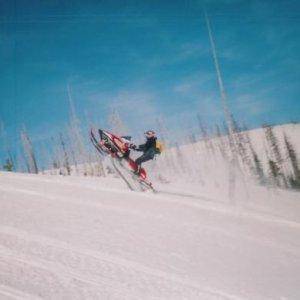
column 148, row 59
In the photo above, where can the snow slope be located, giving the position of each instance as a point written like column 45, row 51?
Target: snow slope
column 91, row 238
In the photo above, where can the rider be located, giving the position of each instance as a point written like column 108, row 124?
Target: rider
column 149, row 149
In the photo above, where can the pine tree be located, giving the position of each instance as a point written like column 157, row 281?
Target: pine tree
column 5, row 143
column 8, row 166
column 254, row 162
column 294, row 180
column 259, row 172
column 275, row 161
column 273, row 143
column 274, row 171
column 241, row 142
column 66, row 157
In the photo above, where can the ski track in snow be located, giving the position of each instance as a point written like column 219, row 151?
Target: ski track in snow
column 70, row 240
column 87, row 263
column 178, row 195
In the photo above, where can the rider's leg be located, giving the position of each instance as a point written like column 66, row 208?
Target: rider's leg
column 126, row 154
column 149, row 155
column 142, row 159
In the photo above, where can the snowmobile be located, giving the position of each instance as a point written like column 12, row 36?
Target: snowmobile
column 118, row 148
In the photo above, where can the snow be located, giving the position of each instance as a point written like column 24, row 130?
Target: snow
column 91, row 238
column 202, row 164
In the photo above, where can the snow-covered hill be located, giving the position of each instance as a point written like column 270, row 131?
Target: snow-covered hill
column 212, row 164
column 91, row 238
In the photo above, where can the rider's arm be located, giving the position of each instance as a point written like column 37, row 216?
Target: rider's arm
column 141, row 147
column 145, row 147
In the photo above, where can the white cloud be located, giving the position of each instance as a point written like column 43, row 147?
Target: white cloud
column 183, row 87
column 179, row 54
column 137, row 109
column 191, row 85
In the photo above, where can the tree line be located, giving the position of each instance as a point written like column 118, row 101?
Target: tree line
column 70, row 153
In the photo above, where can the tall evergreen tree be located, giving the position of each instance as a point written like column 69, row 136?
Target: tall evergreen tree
column 242, row 146
column 274, row 172
column 275, row 161
column 258, row 169
column 294, row 180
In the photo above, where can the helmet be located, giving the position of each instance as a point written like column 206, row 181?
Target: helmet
column 150, row 134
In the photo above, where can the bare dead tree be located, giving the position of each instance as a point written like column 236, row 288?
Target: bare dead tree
column 76, row 139
column 29, row 152
column 117, row 125
column 205, row 136
column 221, row 144
column 163, row 132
